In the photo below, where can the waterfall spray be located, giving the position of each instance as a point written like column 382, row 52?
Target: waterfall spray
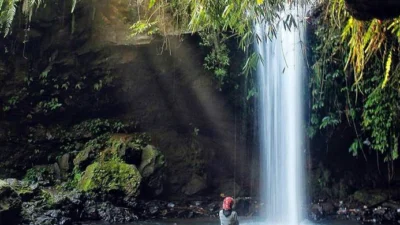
column 280, row 78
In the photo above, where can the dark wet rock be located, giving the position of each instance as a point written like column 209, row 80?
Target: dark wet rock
column 30, row 211
column 43, row 175
column 65, row 164
column 85, row 157
column 328, row 208
column 153, row 210
column 195, row 185
column 90, row 211
column 371, row 197
column 242, row 206
column 108, row 212
column 52, row 217
column 316, row 212
column 57, row 171
column 10, row 203
column 228, row 187
column 213, row 207
column 51, row 206
column 324, row 209
column 369, row 9
column 25, row 191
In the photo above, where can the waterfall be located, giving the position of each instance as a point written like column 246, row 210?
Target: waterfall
column 280, row 77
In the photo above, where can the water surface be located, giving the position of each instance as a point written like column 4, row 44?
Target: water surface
column 214, row 221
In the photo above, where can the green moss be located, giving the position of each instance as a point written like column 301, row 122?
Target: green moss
column 73, row 180
column 152, row 160
column 109, row 146
column 112, row 175
column 47, row 198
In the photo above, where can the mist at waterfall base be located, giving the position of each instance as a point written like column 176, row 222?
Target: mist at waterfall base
column 280, row 78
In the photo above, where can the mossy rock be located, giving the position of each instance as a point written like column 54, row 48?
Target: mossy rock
column 10, row 203
column 128, row 147
column 152, row 160
column 25, row 191
column 111, row 176
column 85, row 157
column 371, row 197
column 152, row 169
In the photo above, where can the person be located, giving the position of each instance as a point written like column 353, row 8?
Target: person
column 227, row 215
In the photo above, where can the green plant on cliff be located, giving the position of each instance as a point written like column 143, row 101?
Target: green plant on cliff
column 217, row 22
column 8, row 10
column 355, row 81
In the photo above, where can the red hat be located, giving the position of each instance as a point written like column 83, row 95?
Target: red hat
column 228, row 203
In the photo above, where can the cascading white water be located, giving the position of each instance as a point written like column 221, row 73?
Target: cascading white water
column 281, row 77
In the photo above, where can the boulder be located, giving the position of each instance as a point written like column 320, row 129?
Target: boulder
column 152, row 170
column 25, row 191
column 107, row 212
column 53, row 217
column 85, row 157
column 371, row 197
column 10, row 204
column 52, row 206
column 65, row 165
column 111, row 176
column 128, row 147
column 195, row 185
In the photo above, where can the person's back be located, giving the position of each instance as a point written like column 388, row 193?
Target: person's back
column 226, row 215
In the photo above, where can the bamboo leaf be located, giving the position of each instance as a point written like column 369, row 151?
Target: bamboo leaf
column 387, row 69
column 73, row 5
column 151, row 3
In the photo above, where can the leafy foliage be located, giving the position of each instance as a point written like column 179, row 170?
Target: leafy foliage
column 8, row 10
column 355, row 80
column 217, row 22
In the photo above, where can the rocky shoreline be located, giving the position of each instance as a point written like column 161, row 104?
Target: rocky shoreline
column 26, row 204
column 22, row 203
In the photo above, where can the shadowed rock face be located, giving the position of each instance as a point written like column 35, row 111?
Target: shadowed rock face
column 370, row 9
column 170, row 94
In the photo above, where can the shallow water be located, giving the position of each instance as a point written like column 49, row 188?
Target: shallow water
column 242, row 221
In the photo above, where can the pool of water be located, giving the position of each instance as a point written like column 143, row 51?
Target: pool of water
column 242, row 221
